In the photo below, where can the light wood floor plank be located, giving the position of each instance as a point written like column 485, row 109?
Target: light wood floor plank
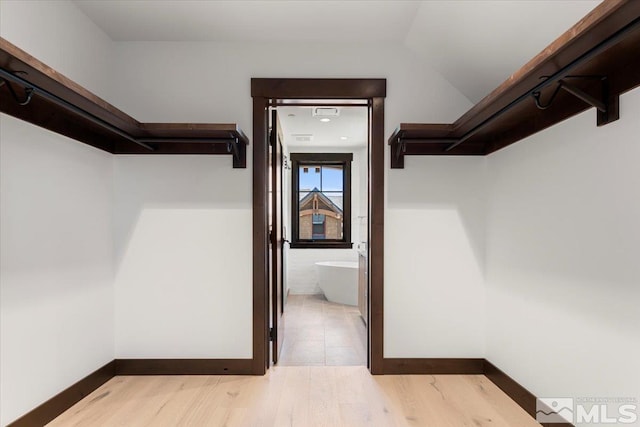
column 298, row 396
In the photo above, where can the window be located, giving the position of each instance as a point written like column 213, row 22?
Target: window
column 321, row 200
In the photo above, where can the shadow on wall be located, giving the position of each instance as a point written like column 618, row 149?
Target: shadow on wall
column 56, row 213
column 182, row 257
column 562, row 259
column 434, row 239
column 182, row 183
column 184, row 276
column 444, row 183
column 562, row 232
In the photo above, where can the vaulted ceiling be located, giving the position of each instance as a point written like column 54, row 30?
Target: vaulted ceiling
column 475, row 44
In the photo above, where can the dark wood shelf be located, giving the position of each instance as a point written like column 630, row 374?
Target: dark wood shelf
column 62, row 106
column 599, row 57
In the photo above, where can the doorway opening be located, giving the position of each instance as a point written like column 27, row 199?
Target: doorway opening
column 316, row 217
column 324, row 210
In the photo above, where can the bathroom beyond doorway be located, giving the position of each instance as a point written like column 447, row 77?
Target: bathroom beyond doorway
column 324, row 209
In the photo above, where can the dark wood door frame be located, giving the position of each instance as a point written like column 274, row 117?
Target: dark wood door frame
column 262, row 92
column 277, row 242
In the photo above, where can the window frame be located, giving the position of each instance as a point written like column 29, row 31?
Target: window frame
column 299, row 160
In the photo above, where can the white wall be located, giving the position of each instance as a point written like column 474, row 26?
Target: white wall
column 56, row 283
column 56, row 280
column 434, row 256
column 210, row 82
column 206, row 81
column 183, row 257
column 57, row 33
column 563, row 274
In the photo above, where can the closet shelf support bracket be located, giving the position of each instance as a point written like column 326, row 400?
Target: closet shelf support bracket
column 398, row 149
column 28, row 90
column 607, row 106
column 239, row 151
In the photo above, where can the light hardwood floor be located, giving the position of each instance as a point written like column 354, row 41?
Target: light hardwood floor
column 298, row 396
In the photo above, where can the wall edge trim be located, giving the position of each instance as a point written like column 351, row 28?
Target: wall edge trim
column 468, row 366
column 523, row 397
column 52, row 408
column 433, row 366
column 184, row 367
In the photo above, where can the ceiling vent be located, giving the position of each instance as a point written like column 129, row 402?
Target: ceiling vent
column 302, row 137
column 326, row 112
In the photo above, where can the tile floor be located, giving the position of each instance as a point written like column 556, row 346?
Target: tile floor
column 322, row 333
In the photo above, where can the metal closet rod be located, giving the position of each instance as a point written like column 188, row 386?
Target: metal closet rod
column 205, row 140
column 558, row 75
column 6, row 75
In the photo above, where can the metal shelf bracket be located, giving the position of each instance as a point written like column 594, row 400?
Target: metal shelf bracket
column 607, row 106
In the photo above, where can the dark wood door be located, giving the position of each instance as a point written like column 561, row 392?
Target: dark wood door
column 276, row 241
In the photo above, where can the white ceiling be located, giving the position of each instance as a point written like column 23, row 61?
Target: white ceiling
column 474, row 44
column 351, row 123
column 252, row 21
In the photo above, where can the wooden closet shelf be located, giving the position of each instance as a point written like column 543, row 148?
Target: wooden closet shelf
column 32, row 91
column 590, row 65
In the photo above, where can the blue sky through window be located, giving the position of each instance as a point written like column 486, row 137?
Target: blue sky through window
column 324, row 178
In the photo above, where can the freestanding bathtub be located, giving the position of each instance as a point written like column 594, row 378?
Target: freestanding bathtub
column 339, row 281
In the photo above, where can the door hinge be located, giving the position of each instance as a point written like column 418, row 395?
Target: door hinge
column 272, row 334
